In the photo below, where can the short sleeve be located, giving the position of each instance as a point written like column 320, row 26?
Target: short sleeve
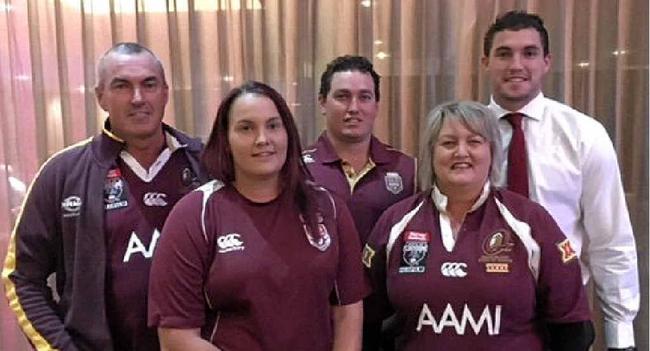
column 351, row 283
column 374, row 260
column 179, row 268
column 561, row 295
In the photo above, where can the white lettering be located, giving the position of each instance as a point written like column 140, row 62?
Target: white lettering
column 230, row 242
column 135, row 245
column 449, row 318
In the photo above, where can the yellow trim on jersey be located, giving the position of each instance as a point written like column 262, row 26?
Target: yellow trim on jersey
column 39, row 342
column 354, row 177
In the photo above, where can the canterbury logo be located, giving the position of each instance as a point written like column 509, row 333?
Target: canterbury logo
column 454, row 269
column 155, row 199
column 230, row 242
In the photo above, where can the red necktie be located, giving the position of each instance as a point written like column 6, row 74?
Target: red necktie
column 517, row 168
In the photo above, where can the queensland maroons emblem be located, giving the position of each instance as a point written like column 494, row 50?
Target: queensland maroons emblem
column 414, row 252
column 321, row 241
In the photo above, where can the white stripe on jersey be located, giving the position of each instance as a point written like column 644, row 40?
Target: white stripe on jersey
column 523, row 232
column 398, row 228
column 207, row 189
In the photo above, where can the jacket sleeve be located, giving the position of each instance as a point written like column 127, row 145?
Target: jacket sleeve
column 33, row 252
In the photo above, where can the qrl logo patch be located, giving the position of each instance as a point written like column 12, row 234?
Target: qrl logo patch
column 393, row 182
column 567, row 252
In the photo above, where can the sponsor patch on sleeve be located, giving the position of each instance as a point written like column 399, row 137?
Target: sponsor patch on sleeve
column 368, row 254
column 567, row 252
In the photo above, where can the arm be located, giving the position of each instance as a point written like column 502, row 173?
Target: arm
column 611, row 250
column 31, row 258
column 347, row 326
column 183, row 339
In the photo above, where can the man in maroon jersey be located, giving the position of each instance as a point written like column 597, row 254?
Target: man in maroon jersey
column 348, row 160
column 94, row 213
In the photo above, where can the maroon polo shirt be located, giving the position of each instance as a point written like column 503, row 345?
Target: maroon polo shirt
column 482, row 294
column 391, row 180
column 249, row 275
column 135, row 212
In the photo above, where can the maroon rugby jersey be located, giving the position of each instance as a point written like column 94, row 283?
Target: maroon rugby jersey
column 135, row 212
column 486, row 293
column 254, row 284
column 391, row 180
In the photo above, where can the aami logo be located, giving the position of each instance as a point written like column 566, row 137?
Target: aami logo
column 230, row 242
column 489, row 320
column 155, row 199
column 454, row 269
column 136, row 246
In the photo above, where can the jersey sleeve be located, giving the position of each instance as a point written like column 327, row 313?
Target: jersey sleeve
column 179, row 269
column 375, row 262
column 31, row 258
column 561, row 296
column 351, row 283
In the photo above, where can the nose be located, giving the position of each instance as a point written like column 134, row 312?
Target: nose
column 516, row 62
column 261, row 138
column 353, row 106
column 461, row 150
column 137, row 95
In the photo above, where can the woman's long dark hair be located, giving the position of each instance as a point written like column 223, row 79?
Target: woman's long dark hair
column 217, row 156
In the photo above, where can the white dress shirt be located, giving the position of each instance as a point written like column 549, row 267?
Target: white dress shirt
column 574, row 174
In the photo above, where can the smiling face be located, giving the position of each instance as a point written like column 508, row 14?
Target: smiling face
column 350, row 106
column 461, row 158
column 134, row 93
column 257, row 138
column 516, row 65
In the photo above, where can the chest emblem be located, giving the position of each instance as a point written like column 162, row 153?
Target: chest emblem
column 496, row 251
column 393, row 182
column 454, row 269
column 155, row 199
column 323, row 240
column 567, row 252
column 414, row 252
column 230, row 242
column 114, row 190
column 71, row 206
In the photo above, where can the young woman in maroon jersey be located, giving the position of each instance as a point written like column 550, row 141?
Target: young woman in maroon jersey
column 261, row 259
column 465, row 266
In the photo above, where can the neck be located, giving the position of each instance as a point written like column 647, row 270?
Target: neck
column 258, row 190
column 357, row 154
column 146, row 150
column 460, row 200
column 513, row 105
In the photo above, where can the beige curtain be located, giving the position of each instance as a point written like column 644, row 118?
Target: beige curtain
column 427, row 51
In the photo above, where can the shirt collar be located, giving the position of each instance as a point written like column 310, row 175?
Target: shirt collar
column 441, row 200
column 534, row 109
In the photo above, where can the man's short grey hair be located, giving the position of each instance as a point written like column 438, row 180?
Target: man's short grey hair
column 125, row 48
column 477, row 118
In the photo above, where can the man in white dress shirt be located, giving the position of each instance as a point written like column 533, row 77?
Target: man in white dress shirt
column 572, row 168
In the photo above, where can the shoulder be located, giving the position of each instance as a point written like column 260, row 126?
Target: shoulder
column 581, row 122
column 520, row 206
column 68, row 158
column 405, row 207
column 382, row 150
column 194, row 145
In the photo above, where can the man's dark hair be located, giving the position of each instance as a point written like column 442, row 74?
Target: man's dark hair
column 343, row 64
column 514, row 21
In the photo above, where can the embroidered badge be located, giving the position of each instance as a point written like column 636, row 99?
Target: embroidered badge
column 454, row 269
column 71, row 206
column 308, row 158
column 414, row 252
column 188, row 178
column 368, row 255
column 323, row 241
column 155, row 199
column 393, row 182
column 114, row 190
column 496, row 251
column 230, row 242
column 567, row 252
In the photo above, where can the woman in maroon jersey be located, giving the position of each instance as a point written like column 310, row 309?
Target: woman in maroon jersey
column 261, row 259
column 466, row 266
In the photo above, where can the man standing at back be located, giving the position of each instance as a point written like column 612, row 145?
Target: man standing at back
column 348, row 160
column 94, row 213
column 564, row 160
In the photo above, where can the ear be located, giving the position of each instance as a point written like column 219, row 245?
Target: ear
column 547, row 63
column 485, row 61
column 321, row 103
column 99, row 93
